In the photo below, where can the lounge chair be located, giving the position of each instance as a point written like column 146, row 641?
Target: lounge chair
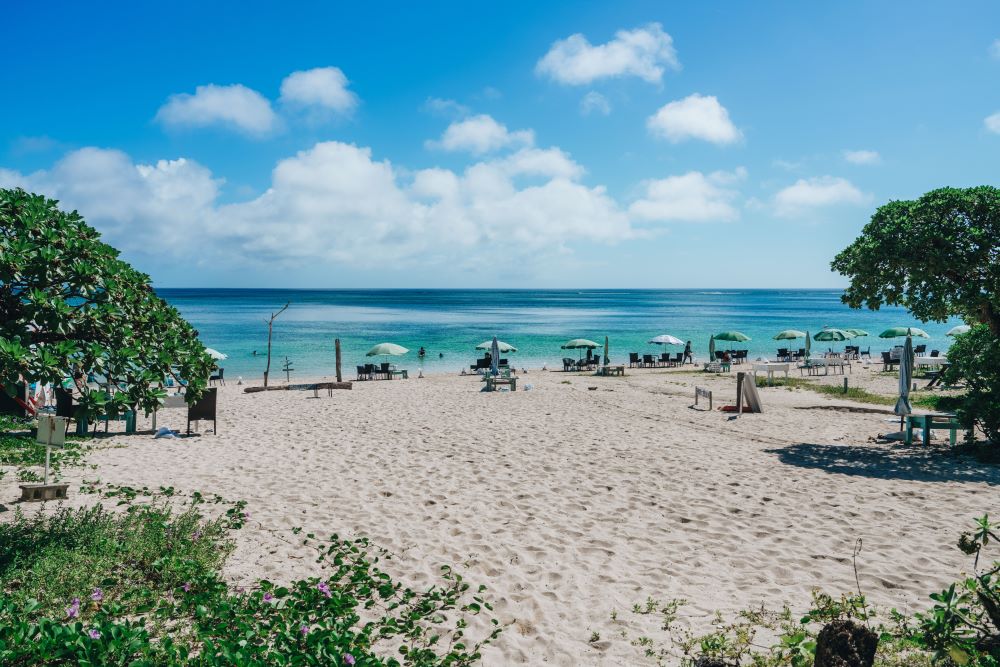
column 204, row 408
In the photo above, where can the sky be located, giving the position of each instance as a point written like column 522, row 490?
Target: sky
column 515, row 144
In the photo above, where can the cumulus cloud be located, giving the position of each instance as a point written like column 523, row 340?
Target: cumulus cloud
column 235, row 106
column 321, row 88
column 690, row 197
column 643, row 52
column 694, row 117
column 862, row 157
column 336, row 202
column 992, row 123
column 594, row 102
column 445, row 107
column 811, row 193
column 481, row 134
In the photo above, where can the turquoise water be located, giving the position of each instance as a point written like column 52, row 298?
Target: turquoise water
column 452, row 322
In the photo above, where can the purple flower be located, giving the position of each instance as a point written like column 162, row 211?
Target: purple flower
column 97, row 595
column 304, row 629
column 246, row 516
column 186, row 586
column 348, row 659
column 268, row 596
column 324, row 589
column 96, row 634
column 73, row 610
column 195, row 535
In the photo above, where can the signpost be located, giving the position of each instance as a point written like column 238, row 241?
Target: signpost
column 51, row 433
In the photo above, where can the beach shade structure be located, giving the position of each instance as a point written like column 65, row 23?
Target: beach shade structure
column 857, row 333
column 386, row 350
column 495, row 357
column 790, row 334
column 580, row 344
column 488, row 346
column 215, row 354
column 665, row 339
column 829, row 334
column 905, row 377
column 901, row 332
column 959, row 330
column 732, row 336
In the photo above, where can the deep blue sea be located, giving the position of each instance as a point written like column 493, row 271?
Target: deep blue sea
column 452, row 322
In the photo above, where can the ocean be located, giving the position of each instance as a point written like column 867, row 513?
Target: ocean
column 450, row 323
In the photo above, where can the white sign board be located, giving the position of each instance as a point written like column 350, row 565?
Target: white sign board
column 51, row 430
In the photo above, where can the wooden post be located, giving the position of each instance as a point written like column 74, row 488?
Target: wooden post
column 739, row 393
column 270, row 326
column 845, row 385
column 336, row 345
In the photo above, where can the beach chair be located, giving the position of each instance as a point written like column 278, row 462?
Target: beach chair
column 665, row 359
column 633, row 359
column 783, row 354
column 218, row 377
column 678, row 359
column 865, row 353
column 647, row 361
column 569, row 364
column 363, row 374
column 204, row 408
column 935, row 353
column 888, row 362
column 919, row 350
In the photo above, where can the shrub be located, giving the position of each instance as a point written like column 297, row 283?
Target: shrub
column 975, row 360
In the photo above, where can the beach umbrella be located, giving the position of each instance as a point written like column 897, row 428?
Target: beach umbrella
column 607, row 358
column 790, row 334
column 733, row 336
column 829, row 334
column 711, row 349
column 495, row 357
column 900, row 332
column 959, row 330
column 488, row 345
column 580, row 344
column 665, row 339
column 857, row 333
column 905, row 374
column 386, row 350
column 215, row 354
column 807, row 346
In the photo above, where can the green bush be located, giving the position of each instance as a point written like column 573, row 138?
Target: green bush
column 975, row 361
column 142, row 586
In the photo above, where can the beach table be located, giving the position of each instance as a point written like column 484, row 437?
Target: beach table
column 930, row 361
column 813, row 365
column 402, row 373
column 771, row 368
column 927, row 423
column 611, row 370
column 493, row 382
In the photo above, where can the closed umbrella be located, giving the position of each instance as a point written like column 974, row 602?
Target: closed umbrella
column 711, row 349
column 607, row 351
column 959, row 330
column 900, row 332
column 905, row 377
column 665, row 339
column 495, row 354
column 807, row 346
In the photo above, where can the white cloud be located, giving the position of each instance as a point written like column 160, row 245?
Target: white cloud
column 481, row 134
column 322, row 87
column 694, row 117
column 235, row 106
column 446, row 107
column 992, row 123
column 995, row 49
column 690, row 197
column 862, row 157
column 594, row 102
column 644, row 52
column 806, row 194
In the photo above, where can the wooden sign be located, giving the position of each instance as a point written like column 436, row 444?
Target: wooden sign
column 51, row 431
column 703, row 393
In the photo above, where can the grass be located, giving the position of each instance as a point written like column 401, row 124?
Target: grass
column 918, row 399
column 19, row 449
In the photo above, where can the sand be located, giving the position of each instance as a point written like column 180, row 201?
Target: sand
column 570, row 504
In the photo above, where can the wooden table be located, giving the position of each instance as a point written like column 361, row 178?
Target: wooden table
column 492, row 382
column 927, row 423
column 771, row 368
column 611, row 370
column 403, row 373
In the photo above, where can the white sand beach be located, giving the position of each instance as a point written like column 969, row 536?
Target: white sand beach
column 570, row 503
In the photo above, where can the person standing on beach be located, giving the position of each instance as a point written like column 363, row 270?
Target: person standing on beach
column 687, row 354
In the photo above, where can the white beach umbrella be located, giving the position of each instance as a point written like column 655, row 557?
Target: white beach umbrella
column 215, row 354
column 959, row 330
column 665, row 339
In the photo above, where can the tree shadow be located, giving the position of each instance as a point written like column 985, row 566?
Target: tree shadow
column 911, row 463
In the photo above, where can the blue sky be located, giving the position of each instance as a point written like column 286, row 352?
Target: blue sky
column 639, row 144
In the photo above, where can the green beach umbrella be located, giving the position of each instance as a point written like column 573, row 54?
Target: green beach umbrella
column 901, row 332
column 386, row 350
column 733, row 336
column 790, row 334
column 829, row 334
column 857, row 333
column 504, row 347
column 959, row 330
column 711, row 348
column 580, row 344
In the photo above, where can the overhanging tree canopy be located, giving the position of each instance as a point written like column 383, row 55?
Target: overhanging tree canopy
column 69, row 306
column 937, row 256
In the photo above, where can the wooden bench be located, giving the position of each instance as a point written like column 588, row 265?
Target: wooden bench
column 493, row 382
column 928, row 423
column 611, row 370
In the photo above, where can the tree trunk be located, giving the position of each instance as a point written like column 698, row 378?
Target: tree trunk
column 267, row 370
column 336, row 345
column 845, row 644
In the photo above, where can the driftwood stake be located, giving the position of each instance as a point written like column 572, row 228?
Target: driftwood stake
column 270, row 326
column 336, row 345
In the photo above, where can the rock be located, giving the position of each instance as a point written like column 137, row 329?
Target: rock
column 704, row 661
column 845, row 644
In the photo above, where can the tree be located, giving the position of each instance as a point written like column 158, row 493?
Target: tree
column 270, row 327
column 69, row 306
column 937, row 256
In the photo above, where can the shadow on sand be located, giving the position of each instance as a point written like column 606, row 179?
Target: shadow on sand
column 915, row 463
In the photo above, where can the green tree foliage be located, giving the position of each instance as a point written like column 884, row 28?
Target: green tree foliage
column 937, row 256
column 69, row 306
column 975, row 361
